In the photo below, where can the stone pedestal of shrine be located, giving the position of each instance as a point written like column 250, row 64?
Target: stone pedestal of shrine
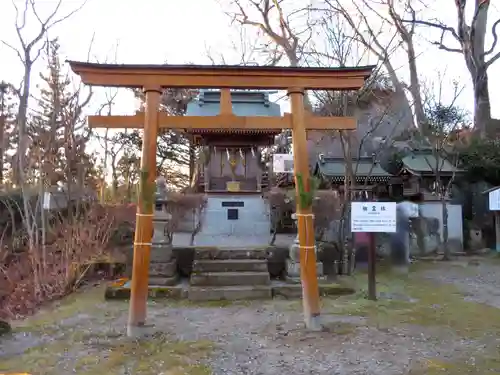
column 293, row 262
column 162, row 266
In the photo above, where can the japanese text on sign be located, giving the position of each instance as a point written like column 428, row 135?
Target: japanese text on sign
column 373, row 217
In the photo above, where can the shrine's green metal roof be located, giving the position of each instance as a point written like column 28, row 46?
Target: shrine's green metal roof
column 363, row 167
column 244, row 103
column 427, row 162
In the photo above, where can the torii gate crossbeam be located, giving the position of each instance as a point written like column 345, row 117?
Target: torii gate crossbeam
column 153, row 78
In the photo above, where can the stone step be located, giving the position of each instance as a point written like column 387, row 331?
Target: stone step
column 222, row 253
column 163, row 280
column 231, row 293
column 229, row 278
column 230, row 265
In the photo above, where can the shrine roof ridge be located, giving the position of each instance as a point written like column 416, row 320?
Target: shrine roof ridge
column 249, row 68
column 221, row 76
column 365, row 166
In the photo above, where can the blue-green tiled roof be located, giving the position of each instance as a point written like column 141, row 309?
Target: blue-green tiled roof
column 245, row 103
column 363, row 167
column 427, row 163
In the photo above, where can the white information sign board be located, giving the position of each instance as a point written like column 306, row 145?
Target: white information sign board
column 373, row 217
column 47, row 197
column 494, row 200
column 283, row 163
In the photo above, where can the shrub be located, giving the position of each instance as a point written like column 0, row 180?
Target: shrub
column 47, row 271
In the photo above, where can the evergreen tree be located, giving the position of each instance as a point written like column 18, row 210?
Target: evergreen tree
column 175, row 152
column 57, row 129
column 129, row 168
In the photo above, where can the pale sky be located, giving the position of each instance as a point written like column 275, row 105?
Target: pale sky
column 155, row 31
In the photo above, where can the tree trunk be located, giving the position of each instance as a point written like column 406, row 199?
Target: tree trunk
column 2, row 134
column 105, row 163
column 115, row 183
column 446, row 248
column 345, row 238
column 482, row 107
column 415, row 89
column 128, row 186
column 192, row 159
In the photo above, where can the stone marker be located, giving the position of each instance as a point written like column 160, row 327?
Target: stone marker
column 163, row 266
column 293, row 262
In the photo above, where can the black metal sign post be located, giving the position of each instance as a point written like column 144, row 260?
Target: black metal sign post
column 372, row 265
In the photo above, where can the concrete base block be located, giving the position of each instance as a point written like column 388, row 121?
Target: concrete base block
column 140, row 331
column 293, row 269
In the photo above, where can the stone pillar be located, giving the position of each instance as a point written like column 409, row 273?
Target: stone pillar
column 293, row 262
column 163, row 266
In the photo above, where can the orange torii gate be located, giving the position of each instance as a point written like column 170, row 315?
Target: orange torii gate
column 153, row 78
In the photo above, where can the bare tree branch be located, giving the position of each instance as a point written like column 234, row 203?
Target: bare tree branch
column 471, row 38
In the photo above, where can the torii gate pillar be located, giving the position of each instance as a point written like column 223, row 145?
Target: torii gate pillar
column 310, row 290
column 144, row 216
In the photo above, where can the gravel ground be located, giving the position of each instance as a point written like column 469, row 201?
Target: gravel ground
column 477, row 279
column 267, row 337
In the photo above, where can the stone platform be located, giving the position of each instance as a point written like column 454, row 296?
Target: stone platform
column 120, row 290
column 219, row 273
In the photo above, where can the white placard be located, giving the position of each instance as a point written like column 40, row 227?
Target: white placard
column 373, row 217
column 494, row 200
column 283, row 163
column 47, row 197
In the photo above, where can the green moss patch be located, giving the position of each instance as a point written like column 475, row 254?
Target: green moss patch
column 123, row 292
column 471, row 366
column 73, row 336
column 54, row 313
column 98, row 354
column 417, row 301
